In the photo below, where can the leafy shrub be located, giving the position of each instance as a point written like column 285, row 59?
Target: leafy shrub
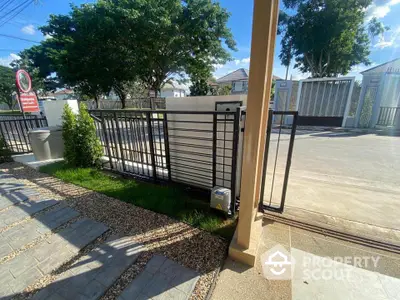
column 5, row 153
column 68, row 134
column 82, row 148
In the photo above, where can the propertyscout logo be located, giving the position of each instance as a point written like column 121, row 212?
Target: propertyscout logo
column 279, row 264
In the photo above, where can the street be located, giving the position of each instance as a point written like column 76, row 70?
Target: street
column 341, row 175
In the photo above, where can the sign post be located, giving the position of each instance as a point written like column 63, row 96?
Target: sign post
column 27, row 99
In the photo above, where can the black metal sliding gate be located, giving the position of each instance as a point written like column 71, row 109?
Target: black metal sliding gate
column 284, row 135
column 195, row 148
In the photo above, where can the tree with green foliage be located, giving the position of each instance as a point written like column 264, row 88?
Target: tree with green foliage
column 199, row 87
column 82, row 147
column 7, row 86
column 376, row 28
column 325, row 37
column 103, row 46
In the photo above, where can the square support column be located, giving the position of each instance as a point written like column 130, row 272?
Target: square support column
column 244, row 245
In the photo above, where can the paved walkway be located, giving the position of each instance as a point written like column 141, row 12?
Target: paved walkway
column 38, row 236
column 162, row 279
column 322, row 268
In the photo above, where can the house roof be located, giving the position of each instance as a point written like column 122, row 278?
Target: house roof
column 392, row 66
column 64, row 92
column 173, row 85
column 240, row 74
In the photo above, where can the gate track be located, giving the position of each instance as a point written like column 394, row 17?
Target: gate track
column 335, row 234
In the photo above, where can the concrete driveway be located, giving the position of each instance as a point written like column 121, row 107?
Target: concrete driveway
column 340, row 175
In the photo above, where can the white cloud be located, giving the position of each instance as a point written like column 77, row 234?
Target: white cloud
column 28, row 29
column 6, row 60
column 380, row 9
column 218, row 66
column 221, row 70
column 47, row 36
column 390, row 38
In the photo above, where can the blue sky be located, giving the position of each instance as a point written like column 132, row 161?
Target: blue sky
column 383, row 48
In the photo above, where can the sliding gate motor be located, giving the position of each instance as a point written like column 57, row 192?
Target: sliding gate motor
column 221, row 199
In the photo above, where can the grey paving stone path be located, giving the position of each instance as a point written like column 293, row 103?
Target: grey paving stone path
column 23, row 234
column 93, row 274
column 23, row 210
column 13, row 191
column 28, row 267
column 162, row 279
column 16, row 196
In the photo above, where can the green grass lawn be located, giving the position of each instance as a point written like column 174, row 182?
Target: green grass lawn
column 171, row 200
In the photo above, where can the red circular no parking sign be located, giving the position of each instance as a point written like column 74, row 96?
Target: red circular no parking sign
column 24, row 82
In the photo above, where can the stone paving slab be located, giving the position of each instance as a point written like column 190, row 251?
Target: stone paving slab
column 30, row 266
column 16, row 197
column 94, row 273
column 10, row 186
column 162, row 279
column 24, row 210
column 20, row 235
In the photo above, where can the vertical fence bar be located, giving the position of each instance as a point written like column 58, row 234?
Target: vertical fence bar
column 103, row 125
column 143, row 133
column 234, row 158
column 120, row 142
column 166, row 146
column 214, row 150
column 266, row 150
column 150, row 133
column 139, row 142
column 289, row 161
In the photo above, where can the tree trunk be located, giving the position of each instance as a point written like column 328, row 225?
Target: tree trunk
column 121, row 94
column 96, row 100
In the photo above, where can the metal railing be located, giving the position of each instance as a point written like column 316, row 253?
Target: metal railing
column 194, row 148
column 388, row 116
column 15, row 133
column 268, row 201
column 138, row 103
column 17, row 116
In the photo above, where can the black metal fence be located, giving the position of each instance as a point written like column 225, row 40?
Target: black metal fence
column 195, row 148
column 388, row 116
column 15, row 132
column 138, row 103
column 17, row 116
column 269, row 199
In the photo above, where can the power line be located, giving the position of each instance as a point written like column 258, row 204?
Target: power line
column 16, row 11
column 18, row 38
column 3, row 8
column 5, row 4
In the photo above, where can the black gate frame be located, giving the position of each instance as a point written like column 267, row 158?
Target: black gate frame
column 283, row 114
column 151, row 121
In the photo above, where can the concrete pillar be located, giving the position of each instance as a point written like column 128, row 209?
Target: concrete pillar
column 265, row 18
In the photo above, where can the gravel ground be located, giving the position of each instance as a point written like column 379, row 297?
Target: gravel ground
column 191, row 247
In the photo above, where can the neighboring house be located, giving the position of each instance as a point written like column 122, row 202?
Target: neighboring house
column 173, row 89
column 64, row 94
column 239, row 81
